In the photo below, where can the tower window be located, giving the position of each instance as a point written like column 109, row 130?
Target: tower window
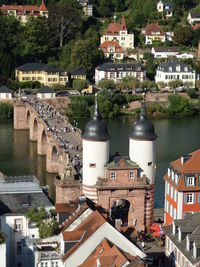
column 150, row 163
column 92, row 165
column 131, row 175
column 113, row 175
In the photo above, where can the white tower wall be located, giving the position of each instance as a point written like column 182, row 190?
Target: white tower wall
column 143, row 152
column 95, row 156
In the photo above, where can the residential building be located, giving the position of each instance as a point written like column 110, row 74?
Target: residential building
column 182, row 246
column 164, row 51
column 116, row 71
column 78, row 73
column 165, row 8
column 182, row 187
column 17, row 195
column 5, row 93
column 121, row 184
column 47, row 75
column 112, row 50
column 153, row 32
column 46, row 92
column 43, row 252
column 118, row 32
column 87, row 8
column 175, row 70
column 193, row 18
column 88, row 239
column 22, row 13
column 185, row 56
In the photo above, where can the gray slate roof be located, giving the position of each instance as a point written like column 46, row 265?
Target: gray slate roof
column 38, row 67
column 189, row 226
column 165, row 67
column 19, row 193
column 5, row 89
column 46, row 90
column 121, row 67
column 166, row 49
column 78, row 71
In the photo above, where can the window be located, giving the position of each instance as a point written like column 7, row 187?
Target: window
column 113, row 175
column 19, row 248
column 189, row 198
column 150, row 163
column 172, row 192
column 190, row 181
column 18, row 224
column 92, row 165
column 170, row 68
column 131, row 175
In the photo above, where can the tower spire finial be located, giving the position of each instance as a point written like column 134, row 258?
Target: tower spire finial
column 143, row 108
column 96, row 107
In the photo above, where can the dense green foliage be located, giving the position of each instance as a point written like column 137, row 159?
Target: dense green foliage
column 46, row 222
column 6, row 111
column 179, row 105
column 80, row 84
column 2, row 238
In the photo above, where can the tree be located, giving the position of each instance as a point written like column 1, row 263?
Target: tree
column 106, row 84
column 80, row 84
column 10, row 45
column 35, row 41
column 86, row 54
column 64, row 22
column 175, row 83
column 48, row 228
column 182, row 35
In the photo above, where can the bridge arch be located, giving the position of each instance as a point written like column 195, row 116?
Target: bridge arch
column 28, row 118
column 54, row 154
column 42, row 145
column 33, row 129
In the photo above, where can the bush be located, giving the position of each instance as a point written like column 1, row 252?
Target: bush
column 106, row 84
column 179, row 105
column 80, row 84
column 6, row 111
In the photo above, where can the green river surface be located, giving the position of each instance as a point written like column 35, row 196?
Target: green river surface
column 176, row 137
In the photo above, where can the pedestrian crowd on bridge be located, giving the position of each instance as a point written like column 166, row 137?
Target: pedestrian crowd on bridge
column 60, row 127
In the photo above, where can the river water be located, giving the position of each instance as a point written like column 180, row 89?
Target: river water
column 176, row 137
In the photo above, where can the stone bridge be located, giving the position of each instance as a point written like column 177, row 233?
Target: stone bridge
column 26, row 117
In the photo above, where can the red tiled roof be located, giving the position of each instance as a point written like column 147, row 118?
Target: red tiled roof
column 191, row 166
column 65, row 207
column 88, row 227
column 72, row 235
column 108, row 255
column 28, row 8
column 154, row 29
column 115, row 28
column 105, row 45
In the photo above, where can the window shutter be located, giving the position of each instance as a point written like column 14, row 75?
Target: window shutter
column 185, row 198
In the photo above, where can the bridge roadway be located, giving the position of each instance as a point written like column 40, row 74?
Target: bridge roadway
column 56, row 137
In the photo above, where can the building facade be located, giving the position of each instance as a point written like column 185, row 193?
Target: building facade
column 182, row 247
column 182, row 187
column 17, row 195
column 45, row 93
column 175, row 70
column 5, row 93
column 118, row 32
column 116, row 71
column 193, row 18
column 22, row 13
column 165, row 8
column 121, row 184
column 112, row 50
column 164, row 52
column 47, row 75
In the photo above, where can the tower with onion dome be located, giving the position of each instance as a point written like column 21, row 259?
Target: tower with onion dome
column 95, row 153
column 142, row 145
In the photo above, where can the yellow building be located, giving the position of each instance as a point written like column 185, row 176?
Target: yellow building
column 153, row 32
column 47, row 75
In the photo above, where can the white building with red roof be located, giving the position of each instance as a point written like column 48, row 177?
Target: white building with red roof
column 22, row 13
column 153, row 32
column 118, row 32
column 182, row 187
column 112, row 50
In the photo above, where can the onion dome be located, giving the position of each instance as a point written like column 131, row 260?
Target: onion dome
column 143, row 129
column 96, row 129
